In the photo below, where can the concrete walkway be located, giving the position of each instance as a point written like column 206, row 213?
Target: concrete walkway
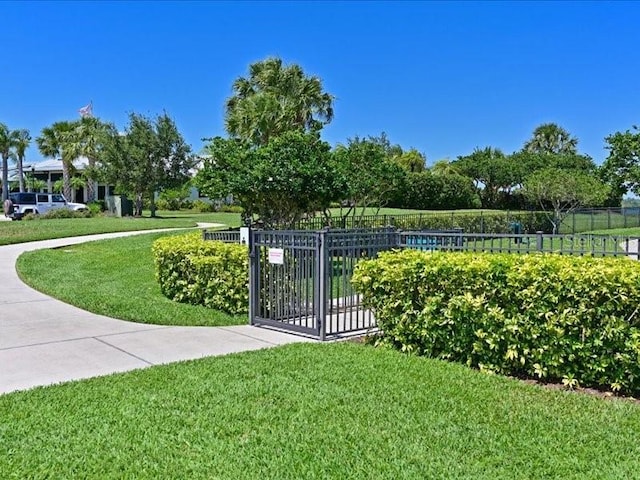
column 45, row 341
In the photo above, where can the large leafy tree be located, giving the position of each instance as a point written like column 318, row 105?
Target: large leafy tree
column 7, row 142
column 149, row 157
column 372, row 177
column 551, row 138
column 621, row 169
column 274, row 99
column 559, row 192
column 289, row 177
column 54, row 142
column 492, row 172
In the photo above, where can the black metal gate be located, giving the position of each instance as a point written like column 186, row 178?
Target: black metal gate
column 283, row 280
column 301, row 280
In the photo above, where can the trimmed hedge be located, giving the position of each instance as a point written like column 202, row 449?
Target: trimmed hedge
column 574, row 319
column 213, row 274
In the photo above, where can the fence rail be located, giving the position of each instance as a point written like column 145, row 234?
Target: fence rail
column 578, row 244
column 220, row 236
column 481, row 221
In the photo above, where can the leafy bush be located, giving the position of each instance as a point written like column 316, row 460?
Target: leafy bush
column 192, row 270
column 96, row 207
column 574, row 319
column 231, row 208
column 59, row 213
column 203, row 207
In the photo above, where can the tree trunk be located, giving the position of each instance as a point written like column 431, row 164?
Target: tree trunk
column 138, row 210
column 91, row 184
column 66, row 181
column 152, row 205
column 21, row 174
column 5, row 177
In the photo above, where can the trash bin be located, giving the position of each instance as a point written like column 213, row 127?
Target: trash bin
column 119, row 205
column 516, row 229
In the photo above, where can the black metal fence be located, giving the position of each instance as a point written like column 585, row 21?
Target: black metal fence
column 481, row 221
column 578, row 244
column 301, row 280
column 230, row 236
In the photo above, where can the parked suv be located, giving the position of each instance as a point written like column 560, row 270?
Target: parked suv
column 19, row 204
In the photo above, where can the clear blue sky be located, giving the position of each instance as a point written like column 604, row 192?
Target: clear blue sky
column 441, row 77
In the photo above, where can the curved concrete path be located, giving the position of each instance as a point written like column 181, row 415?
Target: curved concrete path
column 45, row 341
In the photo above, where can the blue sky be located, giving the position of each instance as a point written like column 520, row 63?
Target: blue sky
column 441, row 77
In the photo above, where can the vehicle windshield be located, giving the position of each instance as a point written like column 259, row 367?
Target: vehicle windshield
column 58, row 198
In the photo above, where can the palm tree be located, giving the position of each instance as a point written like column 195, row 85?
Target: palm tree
column 53, row 142
column 275, row 99
column 551, row 138
column 86, row 141
column 22, row 141
column 7, row 142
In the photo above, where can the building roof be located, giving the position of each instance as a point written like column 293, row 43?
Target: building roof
column 55, row 165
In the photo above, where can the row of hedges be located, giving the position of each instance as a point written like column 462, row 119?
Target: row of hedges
column 574, row 319
column 471, row 222
column 213, row 274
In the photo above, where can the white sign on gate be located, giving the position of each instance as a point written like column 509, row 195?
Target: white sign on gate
column 276, row 256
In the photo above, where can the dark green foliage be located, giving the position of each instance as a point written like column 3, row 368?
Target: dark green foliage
column 433, row 191
column 366, row 175
column 150, row 157
column 279, row 182
column 213, row 274
column 621, row 170
column 553, row 317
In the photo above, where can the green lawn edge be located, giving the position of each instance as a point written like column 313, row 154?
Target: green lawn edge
column 340, row 410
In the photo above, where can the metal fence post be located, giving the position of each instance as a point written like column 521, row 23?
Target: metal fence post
column 608, row 218
column 539, row 241
column 321, row 302
column 254, row 258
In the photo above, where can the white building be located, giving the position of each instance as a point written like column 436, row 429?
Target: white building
column 50, row 171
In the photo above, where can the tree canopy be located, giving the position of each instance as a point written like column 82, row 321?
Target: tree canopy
column 621, row 169
column 551, row 138
column 278, row 182
column 149, row 156
column 559, row 192
column 274, row 99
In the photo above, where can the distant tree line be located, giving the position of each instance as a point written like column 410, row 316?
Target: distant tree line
column 276, row 166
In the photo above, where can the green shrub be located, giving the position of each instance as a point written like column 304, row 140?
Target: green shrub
column 59, row 213
column 574, row 319
column 203, row 207
column 96, row 207
column 199, row 272
column 231, row 208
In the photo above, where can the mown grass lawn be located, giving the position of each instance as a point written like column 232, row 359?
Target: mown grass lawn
column 315, row 411
column 32, row 230
column 115, row 278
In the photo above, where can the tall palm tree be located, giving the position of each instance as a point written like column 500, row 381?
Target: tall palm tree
column 7, row 142
column 85, row 140
column 551, row 138
column 275, row 99
column 53, row 142
column 22, row 141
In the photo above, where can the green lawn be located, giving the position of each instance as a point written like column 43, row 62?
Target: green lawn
column 315, row 411
column 114, row 278
column 28, row 231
